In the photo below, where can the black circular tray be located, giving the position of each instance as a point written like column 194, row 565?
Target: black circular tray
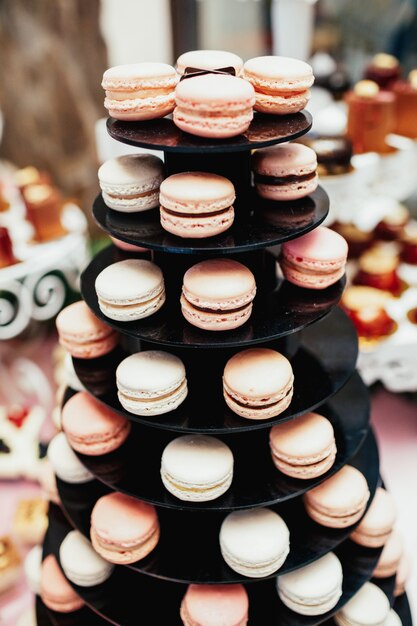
column 115, row 601
column 271, row 223
column 188, row 549
column 285, row 310
column 256, row 480
column 402, row 607
column 323, row 363
column 162, row 134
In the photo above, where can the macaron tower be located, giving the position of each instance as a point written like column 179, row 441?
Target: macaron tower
column 226, row 473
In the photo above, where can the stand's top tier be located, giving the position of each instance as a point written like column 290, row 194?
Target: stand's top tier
column 162, row 134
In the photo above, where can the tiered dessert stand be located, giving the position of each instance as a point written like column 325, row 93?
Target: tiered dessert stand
column 305, row 325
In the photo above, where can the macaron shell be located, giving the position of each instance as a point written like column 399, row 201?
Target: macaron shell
column 321, row 248
column 91, row 349
column 65, row 463
column 56, row 592
column 213, row 128
column 307, row 280
column 376, row 527
column 129, row 282
column 283, row 74
column 196, row 192
column 215, row 605
column 197, row 227
column 165, row 404
column 209, row 60
column 289, row 191
column 81, row 563
column 150, row 373
column 261, row 412
column 131, row 175
column 306, row 472
column 132, row 205
column 281, row 105
column 139, row 110
column 290, row 159
column 133, row 76
column 306, row 439
column 132, row 312
column 215, row 321
column 83, row 334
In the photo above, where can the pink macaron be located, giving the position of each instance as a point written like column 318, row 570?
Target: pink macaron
column 285, row 172
column 55, row 591
column 214, row 105
column 123, row 529
column 83, row 334
column 215, row 605
column 217, row 294
column 127, row 247
column 316, row 260
column 305, row 447
column 91, row 427
column 196, row 204
column 282, row 84
column 339, row 501
column 139, row 91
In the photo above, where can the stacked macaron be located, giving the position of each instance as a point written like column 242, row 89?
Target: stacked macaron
column 55, row 590
column 196, row 204
column 339, row 501
column 254, row 542
column 65, row 463
column 368, row 607
column 130, row 290
column 316, row 260
column 139, row 91
column 313, row 589
column 135, row 534
column 91, row 427
column 376, row 527
column 130, row 183
column 197, row 468
column 258, row 383
column 81, row 564
column 217, row 294
column 82, row 334
column 151, row 382
column 285, row 172
column 303, row 448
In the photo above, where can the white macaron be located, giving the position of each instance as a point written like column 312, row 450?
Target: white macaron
column 65, row 463
column 130, row 290
column 130, row 183
column 32, row 568
column 81, row 563
column 197, row 468
column 254, row 542
column 313, row 589
column 151, row 382
column 368, row 607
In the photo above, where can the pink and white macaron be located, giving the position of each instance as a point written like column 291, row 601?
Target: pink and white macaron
column 214, row 105
column 285, row 172
column 282, row 84
column 316, row 260
column 196, row 204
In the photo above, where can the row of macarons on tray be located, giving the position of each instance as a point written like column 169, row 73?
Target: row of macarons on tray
column 217, row 294
column 255, row 543
column 217, row 99
column 200, row 204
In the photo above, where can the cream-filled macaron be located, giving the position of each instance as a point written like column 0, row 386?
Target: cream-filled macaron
column 130, row 183
column 130, row 290
column 376, row 527
column 196, row 204
column 209, row 60
column 254, row 542
column 81, row 563
column 258, row 383
column 305, row 447
column 65, row 463
column 151, row 382
column 313, row 589
column 368, row 607
column 197, row 468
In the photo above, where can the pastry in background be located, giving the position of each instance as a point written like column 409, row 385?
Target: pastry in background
column 406, row 106
column 10, row 564
column 6, row 249
column 31, row 176
column 44, row 205
column 371, row 117
column 384, row 69
column 366, row 307
column 4, row 203
column 392, row 226
column 330, row 74
column 409, row 244
column 378, row 268
column 333, row 154
column 19, row 441
column 31, row 521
